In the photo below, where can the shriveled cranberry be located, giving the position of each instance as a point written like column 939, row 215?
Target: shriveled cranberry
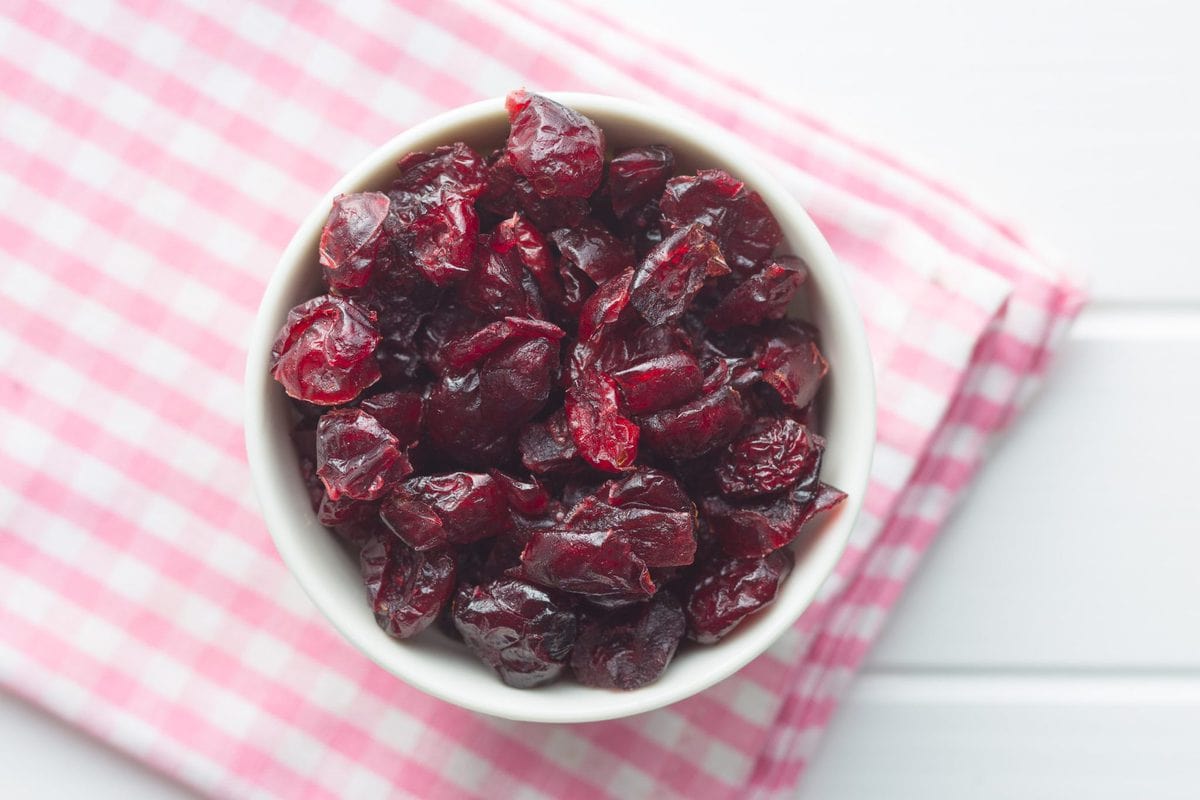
column 560, row 151
column 605, row 438
column 764, row 295
column 352, row 238
column 771, row 456
column 757, row 527
column 549, row 447
column 791, row 363
column 637, row 176
column 453, row 169
column 599, row 562
column 500, row 286
column 456, row 508
column 527, row 497
column 407, row 589
column 517, row 234
column 325, row 352
column 603, row 309
column 738, row 218
column 440, row 240
column 467, row 351
column 659, row 537
column 591, row 249
column 691, row 430
column 723, row 593
column 399, row 412
column 630, row 647
column 667, row 279
column 517, row 629
column 357, row 456
column 660, row 382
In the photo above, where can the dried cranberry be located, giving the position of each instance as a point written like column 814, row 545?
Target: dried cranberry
column 740, row 221
column 603, row 309
column 758, row 527
column 599, row 563
column 764, row 295
column 606, row 439
column 591, row 249
column 692, row 430
column 659, row 537
column 399, row 412
column 407, row 589
column 773, row 455
column 549, row 447
column 517, row 629
column 500, row 286
column 345, row 511
column 456, row 508
column 660, row 382
column 560, row 151
column 670, row 275
column 528, row 498
column 723, row 593
column 325, row 352
column 357, row 456
column 791, row 363
column 352, row 238
column 630, row 647
column 453, row 169
column 516, row 234
column 637, row 176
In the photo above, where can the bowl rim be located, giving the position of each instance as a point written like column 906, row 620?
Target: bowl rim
column 835, row 294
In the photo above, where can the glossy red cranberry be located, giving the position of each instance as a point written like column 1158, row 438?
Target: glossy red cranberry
column 637, row 176
column 517, row 629
column 604, row 437
column 518, row 234
column 548, row 447
column 559, row 151
column 325, row 353
column 659, row 382
column 454, row 169
column 456, row 508
column 591, row 249
column 357, row 456
column 352, row 239
column 399, row 412
column 691, row 430
column 723, row 593
column 765, row 295
column 769, row 457
column 407, row 589
column 740, row 221
column 667, row 279
column 630, row 647
column 791, row 363
column 757, row 527
column 597, row 563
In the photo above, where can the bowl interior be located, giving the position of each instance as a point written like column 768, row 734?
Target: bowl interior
column 432, row 662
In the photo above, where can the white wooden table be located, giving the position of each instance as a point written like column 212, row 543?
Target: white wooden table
column 1050, row 644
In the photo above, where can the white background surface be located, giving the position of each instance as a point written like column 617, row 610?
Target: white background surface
column 1050, row 644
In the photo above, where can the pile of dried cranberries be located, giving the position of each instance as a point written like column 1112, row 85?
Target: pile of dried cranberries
column 555, row 402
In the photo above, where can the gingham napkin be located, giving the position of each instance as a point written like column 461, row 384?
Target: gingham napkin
column 156, row 158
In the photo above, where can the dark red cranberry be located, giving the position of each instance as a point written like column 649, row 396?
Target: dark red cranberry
column 637, row 176
column 771, row 456
column 517, row 234
column 560, row 151
column 456, row 508
column 605, row 438
column 691, row 430
column 659, row 537
column 591, row 249
column 723, row 593
column 517, row 629
column 603, row 309
column 357, row 456
column 526, row 497
column 757, row 527
column 325, row 353
column 454, row 169
column 765, row 295
column 345, row 511
column 500, row 286
column 743, row 226
column 399, row 412
column 352, row 239
column 667, row 279
column 407, row 589
column 600, row 563
column 630, row 647
column 791, row 363
column 548, row 447
column 659, row 382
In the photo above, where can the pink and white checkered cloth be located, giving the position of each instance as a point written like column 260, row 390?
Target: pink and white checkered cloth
column 156, row 158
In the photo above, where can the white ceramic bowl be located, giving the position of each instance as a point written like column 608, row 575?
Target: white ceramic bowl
column 433, row 663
